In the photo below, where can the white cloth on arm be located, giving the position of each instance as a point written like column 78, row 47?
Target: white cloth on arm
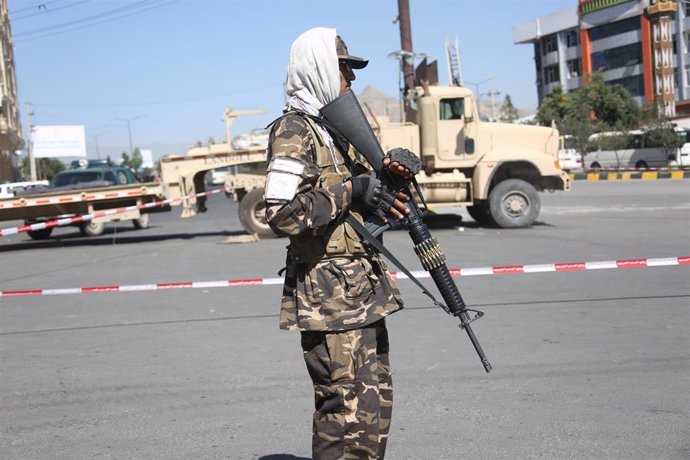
column 283, row 179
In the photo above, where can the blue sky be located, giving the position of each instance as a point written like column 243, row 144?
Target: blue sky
column 172, row 66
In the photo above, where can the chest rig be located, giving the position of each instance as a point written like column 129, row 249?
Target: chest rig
column 339, row 239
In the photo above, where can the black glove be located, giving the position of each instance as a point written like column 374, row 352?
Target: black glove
column 368, row 189
column 405, row 158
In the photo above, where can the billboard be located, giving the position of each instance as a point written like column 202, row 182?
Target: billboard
column 147, row 157
column 58, row 141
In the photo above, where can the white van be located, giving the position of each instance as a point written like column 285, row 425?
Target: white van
column 682, row 155
column 568, row 156
column 217, row 176
column 10, row 189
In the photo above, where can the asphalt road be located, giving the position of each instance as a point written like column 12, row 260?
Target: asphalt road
column 591, row 364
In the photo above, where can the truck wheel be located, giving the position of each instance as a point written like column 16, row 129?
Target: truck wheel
column 252, row 212
column 481, row 214
column 514, row 203
column 41, row 234
column 141, row 222
column 92, row 228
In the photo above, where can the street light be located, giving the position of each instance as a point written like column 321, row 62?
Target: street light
column 129, row 129
column 476, row 92
column 477, row 85
column 492, row 101
column 406, row 59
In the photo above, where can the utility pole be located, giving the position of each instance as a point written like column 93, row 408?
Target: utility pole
column 129, row 129
column 492, row 98
column 95, row 141
column 406, row 55
column 479, row 95
column 30, row 123
column 406, row 44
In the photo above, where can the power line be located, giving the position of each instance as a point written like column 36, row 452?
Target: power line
column 42, row 4
column 170, row 101
column 95, row 23
column 46, row 10
column 117, row 11
column 88, row 18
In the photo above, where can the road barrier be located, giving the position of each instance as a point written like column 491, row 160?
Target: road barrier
column 455, row 272
column 88, row 217
column 623, row 175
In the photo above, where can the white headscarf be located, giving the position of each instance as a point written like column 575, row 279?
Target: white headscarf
column 313, row 76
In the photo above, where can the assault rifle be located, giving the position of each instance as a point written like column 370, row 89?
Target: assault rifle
column 344, row 115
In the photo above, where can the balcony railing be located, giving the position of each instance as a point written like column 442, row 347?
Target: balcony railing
column 587, row 6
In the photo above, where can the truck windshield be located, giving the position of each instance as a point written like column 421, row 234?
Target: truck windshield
column 76, row 178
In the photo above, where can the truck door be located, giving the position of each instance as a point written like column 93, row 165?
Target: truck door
column 451, row 129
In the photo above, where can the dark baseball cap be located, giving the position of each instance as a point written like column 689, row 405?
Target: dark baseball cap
column 355, row 61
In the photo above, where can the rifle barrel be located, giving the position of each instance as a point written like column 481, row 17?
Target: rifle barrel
column 433, row 260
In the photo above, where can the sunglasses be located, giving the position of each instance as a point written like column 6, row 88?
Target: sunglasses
column 344, row 65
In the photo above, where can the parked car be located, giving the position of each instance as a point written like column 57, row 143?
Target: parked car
column 84, row 178
column 217, row 176
column 568, row 156
column 10, row 189
column 93, row 177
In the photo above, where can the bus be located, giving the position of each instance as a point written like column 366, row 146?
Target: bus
column 638, row 149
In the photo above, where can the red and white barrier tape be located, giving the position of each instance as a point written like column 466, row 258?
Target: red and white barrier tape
column 76, row 197
column 107, row 212
column 661, row 168
column 456, row 272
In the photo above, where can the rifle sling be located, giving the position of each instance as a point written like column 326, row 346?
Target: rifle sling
column 371, row 239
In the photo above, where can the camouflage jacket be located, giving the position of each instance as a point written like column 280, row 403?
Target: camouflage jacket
column 324, row 290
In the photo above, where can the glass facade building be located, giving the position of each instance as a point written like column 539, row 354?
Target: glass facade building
column 643, row 45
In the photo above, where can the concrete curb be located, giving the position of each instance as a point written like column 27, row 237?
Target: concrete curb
column 629, row 175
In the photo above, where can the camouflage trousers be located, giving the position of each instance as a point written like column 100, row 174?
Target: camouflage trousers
column 353, row 391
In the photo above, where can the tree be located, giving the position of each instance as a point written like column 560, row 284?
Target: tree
column 660, row 132
column 508, row 111
column 612, row 106
column 577, row 123
column 45, row 167
column 596, row 107
column 135, row 162
column 554, row 108
column 608, row 107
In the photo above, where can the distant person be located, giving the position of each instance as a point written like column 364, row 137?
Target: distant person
column 337, row 291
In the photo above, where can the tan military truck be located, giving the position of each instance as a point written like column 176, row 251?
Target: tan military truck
column 494, row 169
